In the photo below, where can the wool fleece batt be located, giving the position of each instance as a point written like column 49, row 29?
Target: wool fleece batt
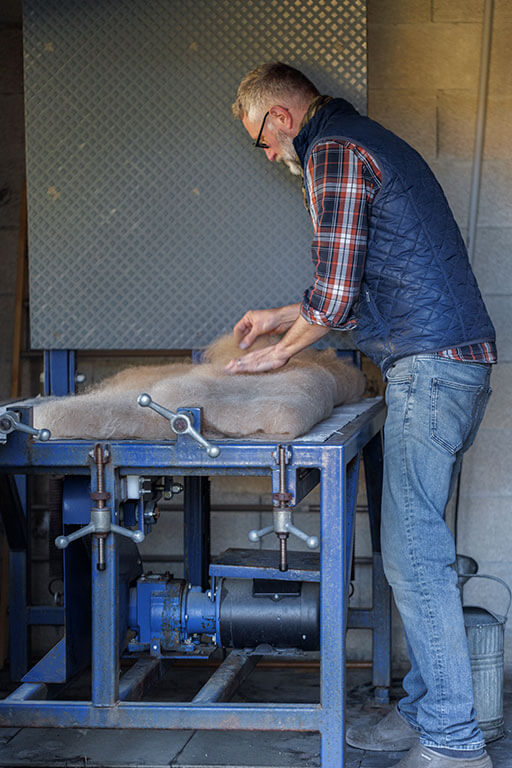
column 280, row 404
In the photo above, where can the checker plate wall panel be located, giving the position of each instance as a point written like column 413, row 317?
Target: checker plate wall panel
column 153, row 223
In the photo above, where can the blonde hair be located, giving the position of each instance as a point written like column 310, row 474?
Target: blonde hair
column 269, row 84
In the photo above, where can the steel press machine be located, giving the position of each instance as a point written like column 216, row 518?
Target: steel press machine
column 250, row 603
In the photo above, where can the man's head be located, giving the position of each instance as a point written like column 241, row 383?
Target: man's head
column 271, row 102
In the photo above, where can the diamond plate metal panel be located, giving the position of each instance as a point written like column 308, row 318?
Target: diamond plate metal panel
column 153, row 223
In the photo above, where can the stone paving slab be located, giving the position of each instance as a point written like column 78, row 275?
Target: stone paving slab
column 251, row 749
column 93, row 748
column 6, row 734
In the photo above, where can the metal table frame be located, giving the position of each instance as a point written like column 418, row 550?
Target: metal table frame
column 334, row 464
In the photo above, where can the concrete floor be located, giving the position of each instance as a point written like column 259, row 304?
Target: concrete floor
column 86, row 748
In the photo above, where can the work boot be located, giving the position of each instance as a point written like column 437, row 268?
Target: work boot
column 391, row 734
column 423, row 757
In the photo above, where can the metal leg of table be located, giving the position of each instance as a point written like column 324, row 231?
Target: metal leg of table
column 381, row 611
column 333, row 607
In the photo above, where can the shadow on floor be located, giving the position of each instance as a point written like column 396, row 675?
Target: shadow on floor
column 88, row 748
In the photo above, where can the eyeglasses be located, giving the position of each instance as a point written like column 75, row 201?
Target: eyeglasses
column 259, row 143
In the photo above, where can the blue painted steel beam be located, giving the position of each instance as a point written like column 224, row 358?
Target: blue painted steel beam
column 105, row 606
column 28, row 692
column 52, row 668
column 59, row 372
column 333, row 592
column 229, row 717
column 18, row 628
column 45, row 614
column 196, row 530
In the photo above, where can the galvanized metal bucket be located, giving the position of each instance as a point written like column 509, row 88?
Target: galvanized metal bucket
column 486, row 634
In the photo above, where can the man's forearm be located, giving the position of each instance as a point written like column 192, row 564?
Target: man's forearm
column 301, row 335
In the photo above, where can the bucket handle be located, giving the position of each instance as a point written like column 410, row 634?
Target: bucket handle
column 500, row 581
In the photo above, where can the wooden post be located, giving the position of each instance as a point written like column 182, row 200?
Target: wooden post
column 17, row 345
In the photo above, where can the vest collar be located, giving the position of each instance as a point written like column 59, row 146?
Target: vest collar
column 338, row 108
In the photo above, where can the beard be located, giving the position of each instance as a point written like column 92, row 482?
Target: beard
column 288, row 156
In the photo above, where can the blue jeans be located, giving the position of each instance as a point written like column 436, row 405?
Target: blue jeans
column 435, row 407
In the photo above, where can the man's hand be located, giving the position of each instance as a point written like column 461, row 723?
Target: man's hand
column 261, row 360
column 299, row 336
column 260, row 321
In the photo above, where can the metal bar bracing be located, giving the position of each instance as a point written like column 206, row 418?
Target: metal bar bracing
column 231, row 717
column 228, row 677
column 144, row 673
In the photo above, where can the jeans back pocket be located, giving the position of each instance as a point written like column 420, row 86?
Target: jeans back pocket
column 456, row 410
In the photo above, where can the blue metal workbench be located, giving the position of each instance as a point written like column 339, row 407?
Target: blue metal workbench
column 331, row 461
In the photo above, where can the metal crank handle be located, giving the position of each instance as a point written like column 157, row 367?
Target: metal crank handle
column 61, row 542
column 180, row 423
column 256, row 535
column 312, row 542
column 10, row 423
column 136, row 536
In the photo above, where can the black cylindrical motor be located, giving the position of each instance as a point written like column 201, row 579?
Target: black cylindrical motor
column 283, row 614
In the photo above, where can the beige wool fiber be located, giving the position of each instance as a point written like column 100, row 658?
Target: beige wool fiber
column 280, row 404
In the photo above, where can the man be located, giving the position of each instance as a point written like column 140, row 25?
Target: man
column 391, row 266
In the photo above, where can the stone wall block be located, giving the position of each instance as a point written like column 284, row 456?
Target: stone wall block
column 456, row 113
column 485, row 528
column 500, row 75
column 424, row 57
column 363, row 542
column 241, row 490
column 502, row 11
column 455, row 179
column 166, row 536
column 500, row 310
column 491, row 263
column 398, row 11
column 486, row 466
column 410, row 115
column 230, row 529
column 498, row 414
column 463, row 11
column 495, row 194
column 498, row 128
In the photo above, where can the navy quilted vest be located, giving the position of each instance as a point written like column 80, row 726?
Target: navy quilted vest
column 418, row 293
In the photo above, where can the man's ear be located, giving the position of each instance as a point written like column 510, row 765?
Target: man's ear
column 282, row 115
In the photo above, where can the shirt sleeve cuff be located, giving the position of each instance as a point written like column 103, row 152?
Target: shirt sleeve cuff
column 313, row 316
